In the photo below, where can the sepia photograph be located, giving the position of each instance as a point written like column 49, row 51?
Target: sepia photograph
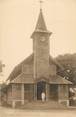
column 37, row 58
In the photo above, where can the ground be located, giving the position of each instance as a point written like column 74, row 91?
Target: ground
column 8, row 112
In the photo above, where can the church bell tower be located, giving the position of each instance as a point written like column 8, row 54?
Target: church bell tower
column 41, row 48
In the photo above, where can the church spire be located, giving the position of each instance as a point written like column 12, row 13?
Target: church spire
column 41, row 26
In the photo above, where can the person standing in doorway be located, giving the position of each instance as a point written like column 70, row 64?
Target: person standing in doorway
column 43, row 96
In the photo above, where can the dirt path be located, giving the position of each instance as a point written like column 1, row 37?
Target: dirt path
column 7, row 112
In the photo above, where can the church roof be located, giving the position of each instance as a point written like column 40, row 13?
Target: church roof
column 23, row 78
column 58, row 80
column 28, row 79
column 17, row 71
column 54, row 61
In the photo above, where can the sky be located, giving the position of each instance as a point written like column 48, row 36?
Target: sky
column 18, row 20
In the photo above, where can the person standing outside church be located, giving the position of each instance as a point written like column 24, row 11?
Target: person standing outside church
column 43, row 96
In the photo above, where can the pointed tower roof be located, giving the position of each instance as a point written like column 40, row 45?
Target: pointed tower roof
column 41, row 23
column 41, row 26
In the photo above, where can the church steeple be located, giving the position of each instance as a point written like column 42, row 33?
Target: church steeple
column 41, row 26
column 41, row 48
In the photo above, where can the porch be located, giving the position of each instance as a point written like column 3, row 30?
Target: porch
column 23, row 93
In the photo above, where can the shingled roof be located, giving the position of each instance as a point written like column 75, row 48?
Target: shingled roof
column 58, row 80
column 23, row 78
column 18, row 69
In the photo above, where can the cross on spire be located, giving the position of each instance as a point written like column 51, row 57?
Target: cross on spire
column 41, row 2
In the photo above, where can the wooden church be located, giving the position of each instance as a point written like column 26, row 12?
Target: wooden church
column 37, row 73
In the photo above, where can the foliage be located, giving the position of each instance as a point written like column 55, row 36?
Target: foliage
column 68, row 61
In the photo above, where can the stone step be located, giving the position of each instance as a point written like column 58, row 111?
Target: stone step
column 42, row 105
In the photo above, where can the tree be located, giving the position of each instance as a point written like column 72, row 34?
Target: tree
column 68, row 61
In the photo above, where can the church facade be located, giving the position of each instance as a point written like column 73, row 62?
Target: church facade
column 37, row 73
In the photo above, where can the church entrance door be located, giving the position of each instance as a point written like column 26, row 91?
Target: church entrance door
column 41, row 87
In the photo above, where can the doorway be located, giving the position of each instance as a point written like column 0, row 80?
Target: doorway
column 41, row 87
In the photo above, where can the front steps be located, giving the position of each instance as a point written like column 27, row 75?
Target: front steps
column 39, row 105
